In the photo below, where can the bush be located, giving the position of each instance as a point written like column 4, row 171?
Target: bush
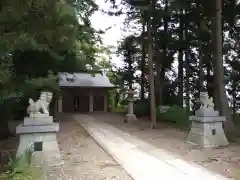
column 236, row 118
column 119, row 109
column 142, row 108
column 174, row 114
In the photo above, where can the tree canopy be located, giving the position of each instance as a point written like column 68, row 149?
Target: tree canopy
column 40, row 38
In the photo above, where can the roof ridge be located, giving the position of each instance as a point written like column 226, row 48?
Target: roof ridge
column 82, row 79
column 83, row 71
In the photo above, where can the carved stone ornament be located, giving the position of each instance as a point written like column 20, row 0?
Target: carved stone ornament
column 130, row 96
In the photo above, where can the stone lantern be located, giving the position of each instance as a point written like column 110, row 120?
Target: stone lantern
column 130, row 116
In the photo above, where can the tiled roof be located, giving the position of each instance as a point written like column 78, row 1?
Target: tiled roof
column 83, row 80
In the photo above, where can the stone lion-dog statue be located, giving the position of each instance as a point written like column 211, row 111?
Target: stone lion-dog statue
column 41, row 106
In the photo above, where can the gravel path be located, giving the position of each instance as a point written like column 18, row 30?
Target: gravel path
column 83, row 158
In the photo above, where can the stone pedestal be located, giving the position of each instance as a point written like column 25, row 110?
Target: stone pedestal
column 207, row 131
column 39, row 135
column 130, row 116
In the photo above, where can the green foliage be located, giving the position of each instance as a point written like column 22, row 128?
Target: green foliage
column 19, row 164
column 5, row 72
column 142, row 108
column 174, row 114
column 236, row 118
column 120, row 109
column 6, row 109
column 123, row 102
column 20, row 168
column 49, row 83
column 22, row 32
column 128, row 50
column 40, row 38
column 111, row 98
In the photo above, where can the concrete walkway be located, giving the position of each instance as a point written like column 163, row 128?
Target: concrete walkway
column 141, row 160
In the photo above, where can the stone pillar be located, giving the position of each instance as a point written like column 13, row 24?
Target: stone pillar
column 130, row 116
column 130, row 107
column 90, row 103
column 206, row 129
column 105, row 103
column 59, row 104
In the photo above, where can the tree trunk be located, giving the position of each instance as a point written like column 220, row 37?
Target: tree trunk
column 187, row 85
column 180, row 77
column 151, row 77
column 143, row 61
column 130, row 70
column 209, row 81
column 201, row 71
column 219, row 84
column 180, row 63
column 158, row 80
column 157, row 61
column 234, row 96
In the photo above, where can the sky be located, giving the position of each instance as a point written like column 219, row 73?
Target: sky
column 103, row 21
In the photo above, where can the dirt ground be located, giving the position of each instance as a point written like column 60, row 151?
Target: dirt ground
column 83, row 158
column 8, row 149
column 224, row 160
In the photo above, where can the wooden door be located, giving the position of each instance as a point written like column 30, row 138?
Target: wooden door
column 98, row 103
column 67, row 105
column 81, row 103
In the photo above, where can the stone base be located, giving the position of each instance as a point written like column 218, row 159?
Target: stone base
column 130, row 117
column 48, row 154
column 38, row 115
column 207, row 119
column 36, row 121
column 207, row 134
column 206, row 112
column 21, row 129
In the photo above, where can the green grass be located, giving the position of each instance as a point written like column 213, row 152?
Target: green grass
column 119, row 109
column 236, row 119
column 175, row 116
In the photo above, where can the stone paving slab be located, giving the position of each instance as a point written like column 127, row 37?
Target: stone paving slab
column 141, row 160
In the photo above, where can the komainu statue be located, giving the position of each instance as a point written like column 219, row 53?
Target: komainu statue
column 205, row 101
column 41, row 106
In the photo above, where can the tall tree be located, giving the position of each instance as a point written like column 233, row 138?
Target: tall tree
column 219, row 84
